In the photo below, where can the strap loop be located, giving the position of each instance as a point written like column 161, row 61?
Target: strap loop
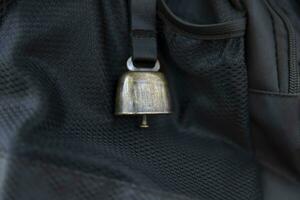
column 143, row 31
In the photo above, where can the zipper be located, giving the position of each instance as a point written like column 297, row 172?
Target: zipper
column 294, row 76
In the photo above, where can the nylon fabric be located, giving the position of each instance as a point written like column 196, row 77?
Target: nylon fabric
column 143, row 30
column 59, row 66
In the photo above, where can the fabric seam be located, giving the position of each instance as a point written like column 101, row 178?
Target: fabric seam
column 265, row 92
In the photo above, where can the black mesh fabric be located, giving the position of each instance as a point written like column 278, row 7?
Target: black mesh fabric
column 59, row 66
column 214, row 85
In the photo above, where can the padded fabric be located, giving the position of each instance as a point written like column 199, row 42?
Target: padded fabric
column 273, row 63
column 277, row 188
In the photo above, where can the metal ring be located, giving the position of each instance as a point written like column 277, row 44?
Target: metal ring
column 131, row 67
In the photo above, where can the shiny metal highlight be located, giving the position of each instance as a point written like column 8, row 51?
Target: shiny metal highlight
column 141, row 93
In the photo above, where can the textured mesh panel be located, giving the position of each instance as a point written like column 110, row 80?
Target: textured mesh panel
column 62, row 183
column 59, row 65
column 215, row 83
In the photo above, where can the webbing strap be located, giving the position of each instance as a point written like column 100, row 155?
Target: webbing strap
column 143, row 31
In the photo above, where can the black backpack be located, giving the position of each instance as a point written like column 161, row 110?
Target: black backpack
column 229, row 89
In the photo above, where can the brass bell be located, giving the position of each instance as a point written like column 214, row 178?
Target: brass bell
column 142, row 91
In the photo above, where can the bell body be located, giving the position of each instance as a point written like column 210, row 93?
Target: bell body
column 142, row 93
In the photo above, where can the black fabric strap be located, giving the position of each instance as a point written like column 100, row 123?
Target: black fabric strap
column 143, row 31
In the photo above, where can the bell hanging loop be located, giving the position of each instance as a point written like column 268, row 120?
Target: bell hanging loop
column 131, row 67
